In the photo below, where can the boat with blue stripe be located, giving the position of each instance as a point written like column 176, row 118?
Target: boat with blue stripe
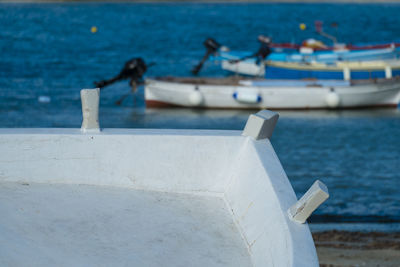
column 307, row 55
column 339, row 71
column 346, row 70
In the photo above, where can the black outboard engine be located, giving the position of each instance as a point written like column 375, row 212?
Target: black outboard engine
column 134, row 70
column 212, row 47
column 264, row 51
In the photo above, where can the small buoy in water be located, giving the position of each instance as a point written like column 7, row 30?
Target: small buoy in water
column 93, row 29
column 332, row 99
column 302, row 26
column 44, row 99
column 196, row 98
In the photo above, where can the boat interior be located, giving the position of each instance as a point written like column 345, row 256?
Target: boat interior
column 209, row 201
column 114, row 226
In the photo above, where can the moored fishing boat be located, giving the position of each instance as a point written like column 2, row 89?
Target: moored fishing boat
column 119, row 197
column 253, row 64
column 336, row 47
column 306, row 55
column 339, row 70
column 273, row 94
column 346, row 70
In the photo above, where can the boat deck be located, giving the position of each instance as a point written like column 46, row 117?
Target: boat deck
column 82, row 225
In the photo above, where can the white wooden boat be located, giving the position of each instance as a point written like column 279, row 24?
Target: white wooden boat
column 124, row 197
column 272, row 94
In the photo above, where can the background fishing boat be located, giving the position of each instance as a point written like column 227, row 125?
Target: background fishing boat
column 339, row 70
column 294, row 54
column 317, row 45
column 273, row 94
column 310, row 55
column 344, row 70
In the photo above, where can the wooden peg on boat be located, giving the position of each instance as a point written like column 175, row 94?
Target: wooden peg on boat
column 309, row 202
column 90, row 110
column 261, row 125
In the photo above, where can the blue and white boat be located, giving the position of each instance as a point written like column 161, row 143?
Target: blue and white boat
column 360, row 70
column 308, row 55
column 341, row 70
column 367, row 63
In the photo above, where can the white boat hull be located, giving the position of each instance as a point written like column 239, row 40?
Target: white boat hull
column 161, row 93
column 156, row 198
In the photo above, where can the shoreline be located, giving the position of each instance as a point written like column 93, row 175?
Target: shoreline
column 357, row 240
column 347, row 248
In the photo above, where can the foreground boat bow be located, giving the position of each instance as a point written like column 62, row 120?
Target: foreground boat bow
column 122, row 197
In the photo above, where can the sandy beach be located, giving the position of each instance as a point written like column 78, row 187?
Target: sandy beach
column 342, row 248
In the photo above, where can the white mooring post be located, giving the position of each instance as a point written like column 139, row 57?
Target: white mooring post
column 311, row 200
column 90, row 110
column 261, row 125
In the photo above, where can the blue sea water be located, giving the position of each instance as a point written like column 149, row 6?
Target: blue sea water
column 48, row 54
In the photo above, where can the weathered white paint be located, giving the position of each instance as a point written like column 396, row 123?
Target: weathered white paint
column 261, row 125
column 90, row 110
column 385, row 93
column 84, row 225
column 310, row 201
column 146, row 198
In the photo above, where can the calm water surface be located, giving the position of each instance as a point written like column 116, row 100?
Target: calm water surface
column 48, row 50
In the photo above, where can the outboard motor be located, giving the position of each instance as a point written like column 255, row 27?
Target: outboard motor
column 212, row 47
column 133, row 70
column 264, row 50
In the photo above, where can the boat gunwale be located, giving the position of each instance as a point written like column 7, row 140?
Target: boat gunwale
column 234, row 81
